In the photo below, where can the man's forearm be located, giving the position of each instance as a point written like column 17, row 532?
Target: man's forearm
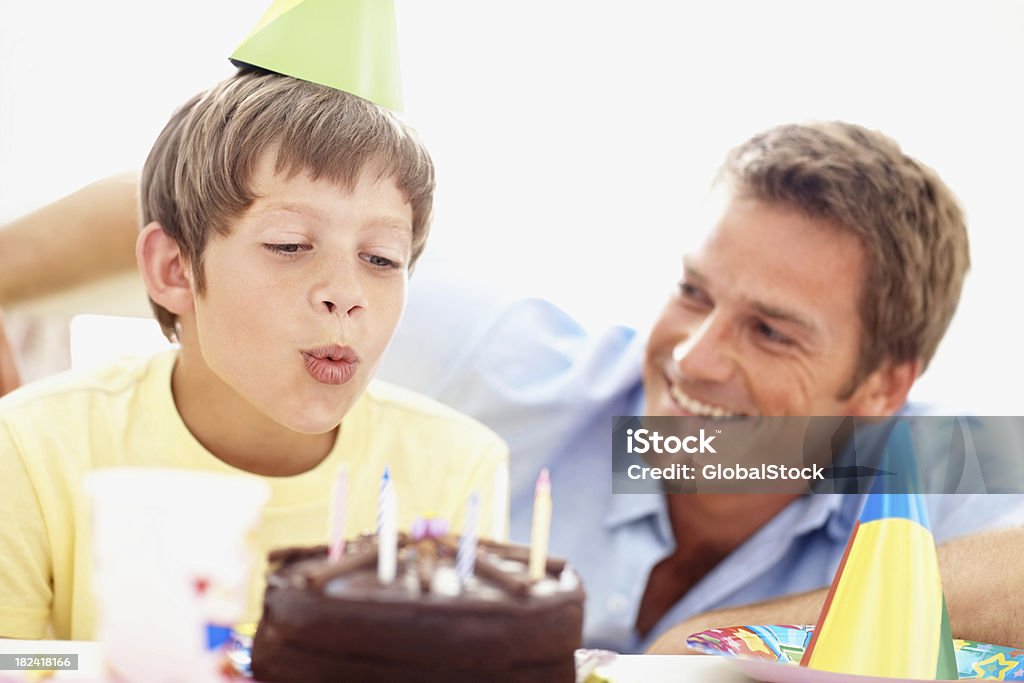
column 799, row 609
column 981, row 574
column 82, row 237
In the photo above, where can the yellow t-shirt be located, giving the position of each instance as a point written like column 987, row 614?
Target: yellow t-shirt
column 54, row 432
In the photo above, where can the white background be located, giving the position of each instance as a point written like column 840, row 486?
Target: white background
column 574, row 139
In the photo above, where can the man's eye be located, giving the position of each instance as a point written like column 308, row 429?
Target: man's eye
column 692, row 293
column 771, row 334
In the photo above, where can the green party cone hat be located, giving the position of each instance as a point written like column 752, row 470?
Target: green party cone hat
column 349, row 45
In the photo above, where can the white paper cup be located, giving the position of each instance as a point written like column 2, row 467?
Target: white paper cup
column 171, row 556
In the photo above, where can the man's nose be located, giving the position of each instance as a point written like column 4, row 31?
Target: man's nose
column 706, row 354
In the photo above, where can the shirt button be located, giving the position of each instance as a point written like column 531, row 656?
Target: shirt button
column 618, row 603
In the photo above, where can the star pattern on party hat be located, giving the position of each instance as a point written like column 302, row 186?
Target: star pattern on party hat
column 350, row 45
column 994, row 668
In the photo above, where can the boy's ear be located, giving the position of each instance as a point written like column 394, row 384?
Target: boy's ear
column 885, row 390
column 166, row 274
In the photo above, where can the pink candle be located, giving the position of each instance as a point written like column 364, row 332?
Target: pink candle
column 339, row 505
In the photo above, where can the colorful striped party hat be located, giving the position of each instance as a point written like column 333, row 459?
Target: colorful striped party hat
column 885, row 614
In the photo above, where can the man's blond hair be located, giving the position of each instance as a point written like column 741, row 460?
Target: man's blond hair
column 908, row 221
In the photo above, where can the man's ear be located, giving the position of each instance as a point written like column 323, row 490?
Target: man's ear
column 885, row 390
column 166, row 274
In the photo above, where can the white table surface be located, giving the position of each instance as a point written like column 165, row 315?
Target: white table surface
column 625, row 669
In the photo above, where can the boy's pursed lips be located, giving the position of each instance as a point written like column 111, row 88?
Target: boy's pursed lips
column 331, row 363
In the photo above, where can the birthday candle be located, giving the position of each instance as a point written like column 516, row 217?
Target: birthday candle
column 499, row 513
column 465, row 556
column 385, row 483
column 541, row 528
column 387, row 534
column 339, row 505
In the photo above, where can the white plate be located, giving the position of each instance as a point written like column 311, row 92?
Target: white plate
column 776, row 672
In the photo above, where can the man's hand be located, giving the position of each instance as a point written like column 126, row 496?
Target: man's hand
column 9, row 378
column 979, row 572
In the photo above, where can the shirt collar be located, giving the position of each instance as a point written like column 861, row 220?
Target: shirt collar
column 626, row 508
column 803, row 515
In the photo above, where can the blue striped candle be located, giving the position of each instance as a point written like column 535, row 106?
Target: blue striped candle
column 385, row 484
column 465, row 556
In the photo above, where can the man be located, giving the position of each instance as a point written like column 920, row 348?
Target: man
column 830, row 274
column 832, row 269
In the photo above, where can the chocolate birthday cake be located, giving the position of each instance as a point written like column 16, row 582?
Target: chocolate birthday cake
column 335, row 621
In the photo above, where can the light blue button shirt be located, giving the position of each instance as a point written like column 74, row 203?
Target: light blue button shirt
column 550, row 388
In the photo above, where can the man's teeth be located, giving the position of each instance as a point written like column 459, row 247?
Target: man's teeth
column 692, row 405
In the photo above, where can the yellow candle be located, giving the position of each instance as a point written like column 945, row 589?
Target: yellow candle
column 541, row 528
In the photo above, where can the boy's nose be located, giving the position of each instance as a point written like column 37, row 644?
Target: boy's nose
column 340, row 292
column 351, row 309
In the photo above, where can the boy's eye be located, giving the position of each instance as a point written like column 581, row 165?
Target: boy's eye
column 288, row 248
column 380, row 261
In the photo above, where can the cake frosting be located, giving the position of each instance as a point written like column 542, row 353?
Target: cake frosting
column 335, row 621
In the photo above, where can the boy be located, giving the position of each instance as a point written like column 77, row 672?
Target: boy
column 281, row 222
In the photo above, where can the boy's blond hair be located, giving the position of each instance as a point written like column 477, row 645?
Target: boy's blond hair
column 198, row 175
